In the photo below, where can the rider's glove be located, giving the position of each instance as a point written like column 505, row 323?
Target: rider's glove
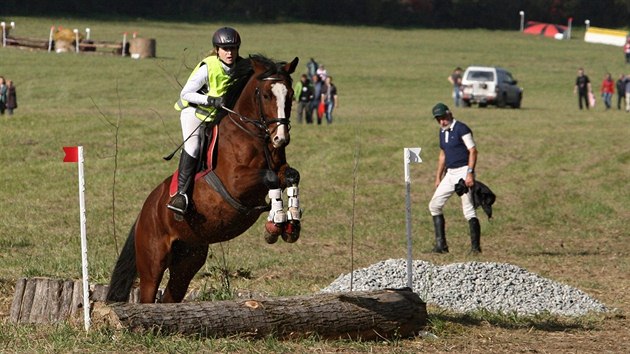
column 215, row 102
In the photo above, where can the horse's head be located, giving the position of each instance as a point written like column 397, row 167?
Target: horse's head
column 274, row 95
column 261, row 92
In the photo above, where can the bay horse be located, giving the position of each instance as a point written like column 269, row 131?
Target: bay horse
column 253, row 131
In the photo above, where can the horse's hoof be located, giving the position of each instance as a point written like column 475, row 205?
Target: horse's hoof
column 272, row 231
column 291, row 232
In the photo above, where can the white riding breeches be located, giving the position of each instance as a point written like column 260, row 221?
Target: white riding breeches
column 445, row 190
column 190, row 122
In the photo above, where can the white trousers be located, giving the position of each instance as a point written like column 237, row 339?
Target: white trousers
column 627, row 101
column 446, row 189
column 190, row 122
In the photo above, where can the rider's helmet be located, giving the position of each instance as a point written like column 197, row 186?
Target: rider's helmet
column 440, row 110
column 226, row 37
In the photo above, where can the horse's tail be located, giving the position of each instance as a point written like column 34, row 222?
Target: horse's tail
column 124, row 272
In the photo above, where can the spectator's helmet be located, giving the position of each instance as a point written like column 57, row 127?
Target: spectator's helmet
column 226, row 37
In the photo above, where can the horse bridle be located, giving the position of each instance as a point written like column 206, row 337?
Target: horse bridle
column 262, row 123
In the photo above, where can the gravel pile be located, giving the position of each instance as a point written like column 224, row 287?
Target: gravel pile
column 464, row 287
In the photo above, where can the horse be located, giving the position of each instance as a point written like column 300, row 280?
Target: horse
column 253, row 132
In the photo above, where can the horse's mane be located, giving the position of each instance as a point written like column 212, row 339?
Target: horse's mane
column 243, row 71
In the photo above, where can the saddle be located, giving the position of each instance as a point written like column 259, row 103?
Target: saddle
column 209, row 134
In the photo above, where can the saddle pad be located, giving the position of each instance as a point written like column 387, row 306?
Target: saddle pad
column 210, row 152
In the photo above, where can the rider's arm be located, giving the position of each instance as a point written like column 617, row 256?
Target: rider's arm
column 196, row 81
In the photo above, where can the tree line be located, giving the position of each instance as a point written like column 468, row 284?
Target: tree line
column 490, row 14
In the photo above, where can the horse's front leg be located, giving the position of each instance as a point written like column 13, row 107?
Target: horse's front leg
column 294, row 213
column 279, row 221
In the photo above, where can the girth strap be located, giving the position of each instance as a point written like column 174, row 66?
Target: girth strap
column 213, row 180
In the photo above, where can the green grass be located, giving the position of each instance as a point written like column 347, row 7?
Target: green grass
column 559, row 173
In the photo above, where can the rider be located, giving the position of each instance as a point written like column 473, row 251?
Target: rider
column 200, row 99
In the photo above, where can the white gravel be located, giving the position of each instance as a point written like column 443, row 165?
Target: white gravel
column 470, row 286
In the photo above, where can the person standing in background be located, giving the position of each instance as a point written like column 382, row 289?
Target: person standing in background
column 330, row 98
column 582, row 88
column 626, row 50
column 607, row 90
column 457, row 161
column 621, row 90
column 322, row 72
column 456, row 80
column 3, row 95
column 317, row 93
column 626, row 83
column 11, row 97
column 303, row 94
column 312, row 66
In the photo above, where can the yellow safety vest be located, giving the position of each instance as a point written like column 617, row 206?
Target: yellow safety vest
column 217, row 79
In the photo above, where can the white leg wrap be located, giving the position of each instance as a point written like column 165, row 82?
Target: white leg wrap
column 293, row 204
column 276, row 214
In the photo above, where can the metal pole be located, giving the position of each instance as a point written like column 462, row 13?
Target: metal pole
column 411, row 155
column 522, row 20
column 408, row 218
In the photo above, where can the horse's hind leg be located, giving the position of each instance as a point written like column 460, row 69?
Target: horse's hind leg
column 186, row 261
column 152, row 258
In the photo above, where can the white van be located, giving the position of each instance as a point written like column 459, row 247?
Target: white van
column 486, row 85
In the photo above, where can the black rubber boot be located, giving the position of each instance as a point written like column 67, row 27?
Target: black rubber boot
column 440, row 236
column 185, row 181
column 475, row 235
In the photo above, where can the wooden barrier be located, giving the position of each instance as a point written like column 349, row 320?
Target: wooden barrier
column 85, row 46
column 27, row 42
column 359, row 315
column 45, row 300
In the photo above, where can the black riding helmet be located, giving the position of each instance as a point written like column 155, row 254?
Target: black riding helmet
column 226, row 37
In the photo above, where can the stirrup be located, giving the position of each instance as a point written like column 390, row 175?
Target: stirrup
column 176, row 204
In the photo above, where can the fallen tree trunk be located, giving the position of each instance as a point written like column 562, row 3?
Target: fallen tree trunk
column 354, row 315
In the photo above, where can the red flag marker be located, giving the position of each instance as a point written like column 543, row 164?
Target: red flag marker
column 72, row 154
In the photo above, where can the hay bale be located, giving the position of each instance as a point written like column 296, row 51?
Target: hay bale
column 141, row 48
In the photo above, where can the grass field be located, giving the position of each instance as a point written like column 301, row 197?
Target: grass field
column 559, row 174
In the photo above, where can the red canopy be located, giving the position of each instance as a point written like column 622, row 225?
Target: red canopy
column 543, row 29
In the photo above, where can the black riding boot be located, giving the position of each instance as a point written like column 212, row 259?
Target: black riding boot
column 475, row 235
column 185, row 180
column 440, row 236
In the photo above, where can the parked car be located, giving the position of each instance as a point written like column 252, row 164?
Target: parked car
column 486, row 85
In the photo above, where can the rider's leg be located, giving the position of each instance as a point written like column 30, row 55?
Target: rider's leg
column 181, row 201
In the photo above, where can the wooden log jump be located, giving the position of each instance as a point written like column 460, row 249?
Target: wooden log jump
column 356, row 315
